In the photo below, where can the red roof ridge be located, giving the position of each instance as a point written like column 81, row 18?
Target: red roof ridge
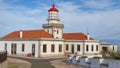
column 75, row 36
column 29, row 34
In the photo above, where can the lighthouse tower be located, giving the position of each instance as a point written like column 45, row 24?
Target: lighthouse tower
column 53, row 26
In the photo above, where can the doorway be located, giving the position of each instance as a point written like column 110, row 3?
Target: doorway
column 105, row 49
column 72, row 49
column 13, row 49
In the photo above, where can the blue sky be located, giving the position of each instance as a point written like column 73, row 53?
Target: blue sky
column 102, row 17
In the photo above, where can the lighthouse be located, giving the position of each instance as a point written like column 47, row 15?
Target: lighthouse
column 53, row 26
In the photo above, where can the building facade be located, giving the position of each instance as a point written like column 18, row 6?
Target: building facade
column 49, row 41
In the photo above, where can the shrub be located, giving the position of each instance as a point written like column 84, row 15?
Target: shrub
column 84, row 57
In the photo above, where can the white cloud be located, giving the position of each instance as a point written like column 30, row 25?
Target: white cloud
column 99, row 23
column 98, row 4
column 71, row 14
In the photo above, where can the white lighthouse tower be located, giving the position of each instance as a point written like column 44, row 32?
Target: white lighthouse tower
column 53, row 26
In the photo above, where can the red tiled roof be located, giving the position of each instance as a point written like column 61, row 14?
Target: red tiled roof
column 29, row 34
column 75, row 36
column 44, row 34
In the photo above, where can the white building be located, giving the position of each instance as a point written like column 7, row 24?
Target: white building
column 108, row 47
column 49, row 41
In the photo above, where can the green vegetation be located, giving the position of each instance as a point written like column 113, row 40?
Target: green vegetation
column 12, row 65
column 111, row 54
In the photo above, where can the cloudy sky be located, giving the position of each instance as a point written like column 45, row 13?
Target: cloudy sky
column 100, row 17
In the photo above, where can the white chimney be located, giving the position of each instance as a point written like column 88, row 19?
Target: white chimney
column 88, row 36
column 21, row 33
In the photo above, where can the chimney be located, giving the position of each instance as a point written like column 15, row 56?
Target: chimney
column 21, row 33
column 88, row 36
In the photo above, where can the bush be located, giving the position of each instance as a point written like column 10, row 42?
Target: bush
column 84, row 57
column 96, row 57
column 111, row 54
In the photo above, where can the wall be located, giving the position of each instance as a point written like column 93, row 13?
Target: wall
column 49, row 53
column 28, row 47
column 70, row 43
column 90, row 43
column 3, row 59
column 82, row 46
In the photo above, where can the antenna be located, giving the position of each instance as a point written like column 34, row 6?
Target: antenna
column 53, row 1
column 87, row 30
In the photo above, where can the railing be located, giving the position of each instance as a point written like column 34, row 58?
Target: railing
column 3, row 56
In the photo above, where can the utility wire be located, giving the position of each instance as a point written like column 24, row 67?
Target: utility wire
column 110, row 35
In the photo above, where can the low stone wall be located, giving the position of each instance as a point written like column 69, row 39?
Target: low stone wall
column 3, row 59
column 94, row 62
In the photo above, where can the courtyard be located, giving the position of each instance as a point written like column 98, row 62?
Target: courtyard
column 29, row 62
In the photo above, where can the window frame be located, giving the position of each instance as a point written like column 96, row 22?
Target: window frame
column 92, row 47
column 60, row 47
column 52, row 47
column 44, row 48
column 67, row 47
column 23, row 47
column 96, row 47
column 78, row 47
column 5, row 47
column 87, row 47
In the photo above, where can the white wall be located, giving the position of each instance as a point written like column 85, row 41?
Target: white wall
column 49, row 53
column 28, row 46
column 54, row 32
column 94, row 47
column 75, row 47
column 83, row 46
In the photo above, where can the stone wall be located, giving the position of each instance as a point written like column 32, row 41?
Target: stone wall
column 95, row 62
column 3, row 59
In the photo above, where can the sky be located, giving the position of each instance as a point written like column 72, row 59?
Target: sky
column 101, row 18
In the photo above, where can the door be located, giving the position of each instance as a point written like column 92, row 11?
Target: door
column 13, row 49
column 72, row 50
column 33, row 49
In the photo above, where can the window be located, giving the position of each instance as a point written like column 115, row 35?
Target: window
column 87, row 48
column 52, row 48
column 33, row 49
column 5, row 46
column 23, row 47
column 78, row 47
column 113, row 48
column 44, row 48
column 96, row 47
column 92, row 47
column 57, row 31
column 60, row 48
column 67, row 47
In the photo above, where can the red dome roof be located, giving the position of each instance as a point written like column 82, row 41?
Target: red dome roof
column 53, row 8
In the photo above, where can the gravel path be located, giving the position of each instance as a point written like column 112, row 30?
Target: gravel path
column 24, row 62
column 63, row 64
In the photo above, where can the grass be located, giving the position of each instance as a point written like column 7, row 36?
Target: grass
column 12, row 65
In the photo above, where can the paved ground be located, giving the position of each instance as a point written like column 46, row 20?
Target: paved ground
column 24, row 62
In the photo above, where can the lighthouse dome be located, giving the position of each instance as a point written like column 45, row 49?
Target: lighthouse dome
column 53, row 8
